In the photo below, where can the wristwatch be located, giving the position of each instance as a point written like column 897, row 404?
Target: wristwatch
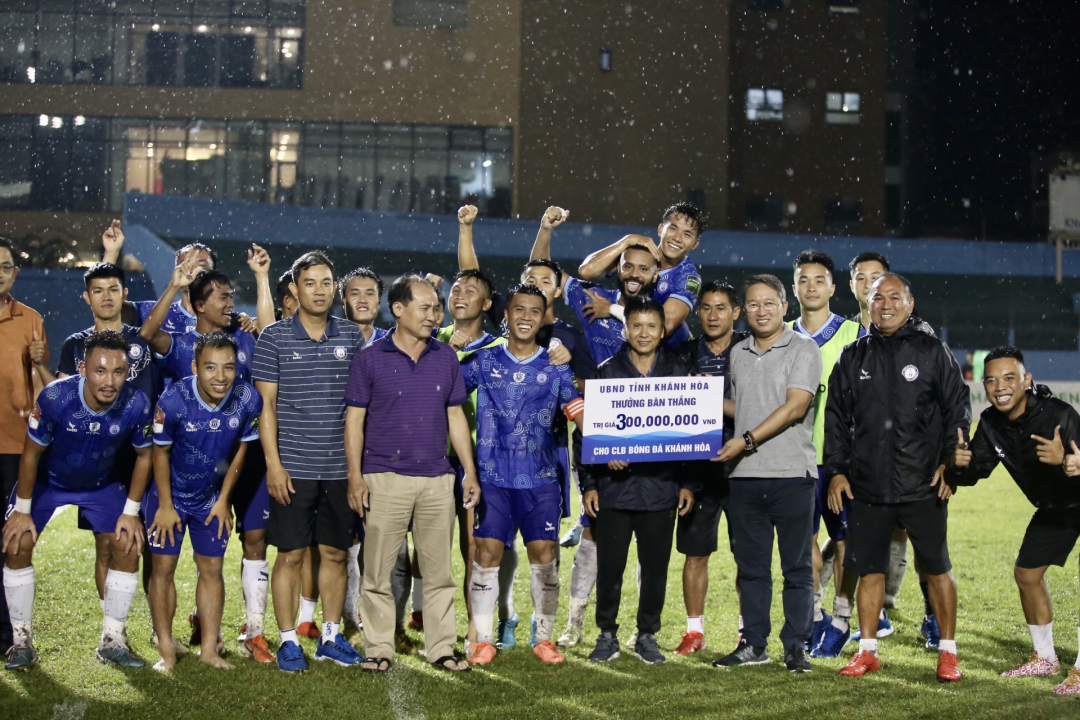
column 748, row 438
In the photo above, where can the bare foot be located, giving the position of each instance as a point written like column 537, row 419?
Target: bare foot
column 165, row 664
column 215, row 661
column 181, row 648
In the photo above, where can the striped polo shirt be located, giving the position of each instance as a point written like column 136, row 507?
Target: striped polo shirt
column 311, row 377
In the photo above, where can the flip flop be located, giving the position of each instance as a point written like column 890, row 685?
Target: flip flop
column 382, row 665
column 441, row 664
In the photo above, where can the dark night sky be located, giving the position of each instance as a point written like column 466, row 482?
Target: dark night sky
column 998, row 83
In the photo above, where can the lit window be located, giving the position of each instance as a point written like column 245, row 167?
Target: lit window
column 764, row 104
column 842, row 108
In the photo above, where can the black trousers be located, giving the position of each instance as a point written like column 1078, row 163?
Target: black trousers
column 758, row 508
column 612, row 531
column 9, row 477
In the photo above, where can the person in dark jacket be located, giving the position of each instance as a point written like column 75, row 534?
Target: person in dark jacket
column 1026, row 429
column 896, row 403
column 639, row 500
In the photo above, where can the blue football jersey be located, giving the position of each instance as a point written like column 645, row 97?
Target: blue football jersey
column 181, row 353
column 517, row 403
column 144, row 374
column 203, row 437
column 682, row 282
column 377, row 334
column 604, row 336
column 82, row 444
column 177, row 321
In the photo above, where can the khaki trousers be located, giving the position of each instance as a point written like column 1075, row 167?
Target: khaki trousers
column 429, row 503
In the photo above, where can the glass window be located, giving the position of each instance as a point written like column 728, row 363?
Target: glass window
column 842, row 108
column 283, row 157
column 93, row 49
column 764, row 214
column 17, row 38
column 842, row 216
column 440, row 14
column 321, row 165
column 56, row 48
column 764, row 104
column 358, row 166
column 15, row 179
column 247, row 166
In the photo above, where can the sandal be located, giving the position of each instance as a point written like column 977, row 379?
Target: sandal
column 381, row 665
column 441, row 664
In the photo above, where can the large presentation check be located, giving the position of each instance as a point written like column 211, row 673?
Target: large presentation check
column 653, row 419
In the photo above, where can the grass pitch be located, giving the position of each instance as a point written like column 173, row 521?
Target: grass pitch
column 987, row 523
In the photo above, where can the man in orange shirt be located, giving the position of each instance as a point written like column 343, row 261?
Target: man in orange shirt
column 24, row 361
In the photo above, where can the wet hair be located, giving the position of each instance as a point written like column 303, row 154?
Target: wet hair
column 203, row 285
column 637, row 246
column 1005, row 351
column 523, row 289
column 309, row 260
column 106, row 340
column 103, row 270
column 6, row 243
column 480, row 277
column 549, row 264
column 714, row 286
column 893, row 276
column 765, row 279
column 816, row 257
column 283, row 290
column 364, row 273
column 401, row 289
column 216, row 340
column 637, row 305
column 196, row 246
column 691, row 212
column 867, row 257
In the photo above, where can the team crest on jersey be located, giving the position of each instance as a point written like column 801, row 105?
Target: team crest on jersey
column 910, row 373
column 519, row 377
column 662, row 287
column 135, row 353
column 541, row 377
column 215, row 424
column 241, row 356
column 94, row 428
column 339, row 352
column 114, row 429
column 159, row 420
column 35, row 417
column 234, row 422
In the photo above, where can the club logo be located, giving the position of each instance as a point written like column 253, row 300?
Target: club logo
column 135, row 353
column 215, row 424
column 241, row 356
column 159, row 420
column 519, row 377
column 541, row 377
column 114, row 429
column 234, row 422
column 339, row 352
column 662, row 287
column 910, row 373
column 94, row 428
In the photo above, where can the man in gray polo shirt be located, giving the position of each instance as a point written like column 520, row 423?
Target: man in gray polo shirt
column 774, row 376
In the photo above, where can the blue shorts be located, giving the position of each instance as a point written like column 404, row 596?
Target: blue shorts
column 536, row 512
column 835, row 525
column 251, row 504
column 204, row 539
column 99, row 508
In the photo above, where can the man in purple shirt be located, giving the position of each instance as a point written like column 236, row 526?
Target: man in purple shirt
column 407, row 387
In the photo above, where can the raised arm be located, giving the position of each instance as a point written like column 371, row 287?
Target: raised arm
column 553, row 217
column 183, row 275
column 112, row 240
column 606, row 259
column 259, row 262
column 466, row 253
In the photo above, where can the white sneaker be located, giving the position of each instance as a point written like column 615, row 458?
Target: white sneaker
column 570, row 637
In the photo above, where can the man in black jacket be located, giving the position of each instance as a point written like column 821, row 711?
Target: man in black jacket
column 639, row 500
column 896, row 402
column 1026, row 429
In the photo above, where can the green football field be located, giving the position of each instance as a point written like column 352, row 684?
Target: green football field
column 986, row 526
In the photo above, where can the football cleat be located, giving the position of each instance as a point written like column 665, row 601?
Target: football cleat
column 339, row 650
column 21, row 657
column 819, row 629
column 948, row 669
column 308, row 630
column 572, row 536
column 692, row 641
column 832, row 642
column 257, row 649
column 505, row 637
column 884, row 627
column 570, row 637
column 118, row 654
column 548, row 652
column 290, row 658
column 863, row 662
column 1034, row 667
column 483, row 654
column 1071, row 686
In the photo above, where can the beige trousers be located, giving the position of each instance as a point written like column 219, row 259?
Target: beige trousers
column 429, row 503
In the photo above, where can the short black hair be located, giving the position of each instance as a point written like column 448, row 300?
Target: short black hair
column 765, row 279
column 196, row 246
column 203, row 285
column 720, row 286
column 103, row 270
column 893, row 276
column 549, row 264
column 283, row 290
column 216, row 340
column 364, row 273
column 480, row 277
column 523, row 289
column 10, row 247
column 637, row 305
column 1005, row 351
column 816, row 257
column 691, row 212
column 401, row 290
column 308, row 260
column 867, row 257
column 105, row 340
column 638, row 246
